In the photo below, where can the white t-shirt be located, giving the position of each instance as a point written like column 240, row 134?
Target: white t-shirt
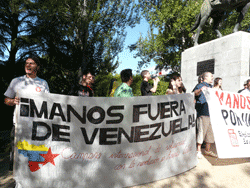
column 25, row 84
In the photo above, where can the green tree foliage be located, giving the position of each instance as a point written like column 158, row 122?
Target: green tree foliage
column 100, row 31
column 136, row 85
column 67, row 35
column 169, row 35
column 94, row 30
column 15, row 18
column 102, row 86
column 86, row 33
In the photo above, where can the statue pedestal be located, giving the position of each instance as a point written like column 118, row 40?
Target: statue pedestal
column 227, row 57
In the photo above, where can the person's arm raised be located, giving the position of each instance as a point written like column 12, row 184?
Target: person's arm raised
column 156, row 81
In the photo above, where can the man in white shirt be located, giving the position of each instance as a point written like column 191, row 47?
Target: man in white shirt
column 247, row 89
column 27, row 83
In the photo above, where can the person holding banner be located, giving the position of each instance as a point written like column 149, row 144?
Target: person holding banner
column 28, row 83
column 205, row 132
column 124, row 90
column 245, row 86
column 247, row 89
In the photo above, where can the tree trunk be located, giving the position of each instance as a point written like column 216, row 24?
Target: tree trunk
column 83, row 34
column 14, row 46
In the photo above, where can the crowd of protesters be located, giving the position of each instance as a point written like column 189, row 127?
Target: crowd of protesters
column 30, row 82
column 176, row 86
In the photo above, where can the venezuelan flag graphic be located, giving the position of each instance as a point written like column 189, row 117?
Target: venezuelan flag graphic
column 36, row 155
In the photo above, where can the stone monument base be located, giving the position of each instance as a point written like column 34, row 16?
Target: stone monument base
column 227, row 57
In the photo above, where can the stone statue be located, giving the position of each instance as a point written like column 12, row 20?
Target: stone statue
column 216, row 9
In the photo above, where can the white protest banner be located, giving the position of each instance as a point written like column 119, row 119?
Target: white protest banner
column 230, row 119
column 67, row 141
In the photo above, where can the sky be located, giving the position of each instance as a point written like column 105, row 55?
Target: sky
column 126, row 57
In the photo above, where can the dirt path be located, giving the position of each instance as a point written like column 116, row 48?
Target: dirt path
column 209, row 173
column 235, row 173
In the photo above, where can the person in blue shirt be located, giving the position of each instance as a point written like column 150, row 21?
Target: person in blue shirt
column 205, row 132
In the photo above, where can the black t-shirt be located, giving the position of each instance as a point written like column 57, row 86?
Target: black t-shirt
column 145, row 89
column 83, row 91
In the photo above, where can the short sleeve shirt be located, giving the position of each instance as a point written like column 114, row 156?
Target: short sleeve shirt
column 201, row 105
column 123, row 91
column 145, row 89
column 25, row 84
